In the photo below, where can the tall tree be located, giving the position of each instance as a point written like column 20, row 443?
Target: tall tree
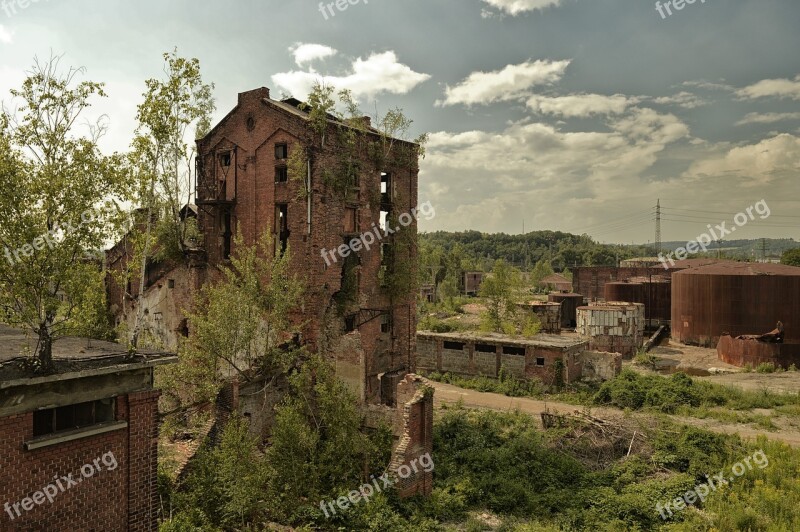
column 58, row 202
column 161, row 160
column 500, row 289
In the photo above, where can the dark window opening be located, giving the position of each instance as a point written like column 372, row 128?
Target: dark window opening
column 73, row 417
column 485, row 348
column 386, row 324
column 282, row 226
column 456, row 346
column 540, row 361
column 281, row 174
column 509, row 350
column 281, row 151
column 225, row 158
column 349, row 323
column 384, row 220
column 227, row 235
column 171, row 283
column 386, row 188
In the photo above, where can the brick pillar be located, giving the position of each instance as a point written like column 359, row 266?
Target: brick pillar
column 143, row 461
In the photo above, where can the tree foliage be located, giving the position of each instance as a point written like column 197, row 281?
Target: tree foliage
column 791, row 257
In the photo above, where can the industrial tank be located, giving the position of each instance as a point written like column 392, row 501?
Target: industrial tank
column 569, row 305
column 633, row 292
column 736, row 298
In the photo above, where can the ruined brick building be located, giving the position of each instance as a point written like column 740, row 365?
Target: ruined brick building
column 315, row 185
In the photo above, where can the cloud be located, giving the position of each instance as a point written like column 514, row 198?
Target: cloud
column 767, row 118
column 6, row 36
column 517, row 7
column 580, row 105
column 305, row 53
column 378, row 73
column 683, row 99
column 709, row 85
column 767, row 162
column 782, row 88
column 511, row 83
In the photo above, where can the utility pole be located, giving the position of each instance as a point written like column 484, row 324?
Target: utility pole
column 658, row 226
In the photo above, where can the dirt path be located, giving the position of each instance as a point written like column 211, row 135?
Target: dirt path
column 449, row 394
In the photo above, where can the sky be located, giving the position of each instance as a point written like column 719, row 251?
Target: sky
column 569, row 115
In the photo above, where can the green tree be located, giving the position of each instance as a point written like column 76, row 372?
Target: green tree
column 791, row 257
column 58, row 202
column 501, row 292
column 540, row 271
column 161, row 164
column 239, row 323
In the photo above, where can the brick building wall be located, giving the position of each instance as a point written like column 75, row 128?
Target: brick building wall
column 121, row 499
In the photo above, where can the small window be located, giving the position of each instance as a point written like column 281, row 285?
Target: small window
column 225, row 158
column 73, row 417
column 171, row 283
column 350, row 323
column 517, row 351
column 282, row 226
column 485, row 348
column 386, row 324
column 281, row 152
column 456, row 346
column 281, row 174
column 540, row 361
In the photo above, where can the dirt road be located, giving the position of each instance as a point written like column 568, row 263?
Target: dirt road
column 449, row 394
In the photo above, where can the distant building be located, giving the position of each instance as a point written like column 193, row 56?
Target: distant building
column 472, row 282
column 556, row 282
column 78, row 449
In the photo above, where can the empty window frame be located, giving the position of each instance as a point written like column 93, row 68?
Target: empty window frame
column 386, row 185
column 511, row 350
column 281, row 151
column 225, row 159
column 282, row 226
column 485, row 348
column 281, row 174
column 455, row 346
column 73, row 417
column 386, row 324
column 540, row 361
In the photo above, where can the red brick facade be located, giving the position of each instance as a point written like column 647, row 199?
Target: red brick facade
column 121, row 499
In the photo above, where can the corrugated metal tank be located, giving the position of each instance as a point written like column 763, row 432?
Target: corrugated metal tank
column 633, row 292
column 615, row 327
column 569, row 305
column 736, row 298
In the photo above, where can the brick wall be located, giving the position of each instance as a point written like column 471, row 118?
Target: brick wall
column 118, row 500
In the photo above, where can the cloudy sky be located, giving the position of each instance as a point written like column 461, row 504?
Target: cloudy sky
column 572, row 115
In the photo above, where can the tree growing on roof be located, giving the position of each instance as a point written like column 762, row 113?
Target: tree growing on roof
column 58, row 203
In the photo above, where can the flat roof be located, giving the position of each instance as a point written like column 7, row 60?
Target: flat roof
column 70, row 355
column 540, row 340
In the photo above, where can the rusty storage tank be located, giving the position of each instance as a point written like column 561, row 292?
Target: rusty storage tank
column 613, row 327
column 657, row 298
column 569, row 305
column 624, row 291
column 736, row 298
column 549, row 315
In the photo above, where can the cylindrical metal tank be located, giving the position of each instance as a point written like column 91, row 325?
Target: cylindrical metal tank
column 736, row 298
column 614, row 327
column 657, row 298
column 569, row 305
column 633, row 292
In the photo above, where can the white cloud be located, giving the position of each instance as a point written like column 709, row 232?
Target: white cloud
column 6, row 36
column 683, row 99
column 511, row 83
column 380, row 72
column 517, row 7
column 782, row 88
column 768, row 161
column 306, row 52
column 710, row 85
column 767, row 118
column 580, row 105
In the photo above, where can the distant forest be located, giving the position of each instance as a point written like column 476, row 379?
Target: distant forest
column 566, row 251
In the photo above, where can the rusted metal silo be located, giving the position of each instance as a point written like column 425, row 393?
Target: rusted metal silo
column 569, row 305
column 633, row 292
column 736, row 298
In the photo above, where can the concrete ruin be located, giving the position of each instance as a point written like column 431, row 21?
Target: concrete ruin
column 548, row 314
column 615, row 327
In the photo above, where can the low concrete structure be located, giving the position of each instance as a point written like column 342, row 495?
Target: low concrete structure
column 472, row 354
column 599, row 366
column 741, row 352
column 96, row 420
column 614, row 327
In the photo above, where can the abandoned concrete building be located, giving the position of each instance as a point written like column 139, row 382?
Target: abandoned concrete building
column 547, row 357
column 95, row 422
